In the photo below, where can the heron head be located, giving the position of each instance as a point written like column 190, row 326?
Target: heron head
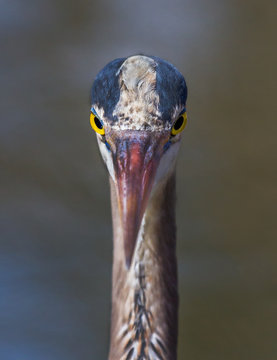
column 138, row 111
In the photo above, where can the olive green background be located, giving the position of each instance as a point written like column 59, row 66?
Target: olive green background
column 56, row 248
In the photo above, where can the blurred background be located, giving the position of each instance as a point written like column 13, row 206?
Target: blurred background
column 56, row 236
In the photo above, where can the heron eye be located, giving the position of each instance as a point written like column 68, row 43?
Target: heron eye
column 180, row 124
column 96, row 124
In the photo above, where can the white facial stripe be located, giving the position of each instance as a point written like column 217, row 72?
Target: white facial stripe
column 107, row 157
column 167, row 162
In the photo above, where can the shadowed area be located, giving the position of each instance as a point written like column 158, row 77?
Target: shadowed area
column 56, row 248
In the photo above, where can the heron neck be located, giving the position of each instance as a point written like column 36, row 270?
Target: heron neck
column 145, row 298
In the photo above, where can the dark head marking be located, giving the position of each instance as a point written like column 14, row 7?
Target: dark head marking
column 105, row 90
column 171, row 88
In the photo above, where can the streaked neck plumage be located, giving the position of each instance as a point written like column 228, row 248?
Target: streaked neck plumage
column 144, row 297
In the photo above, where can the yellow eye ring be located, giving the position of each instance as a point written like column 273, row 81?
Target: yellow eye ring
column 180, row 124
column 96, row 124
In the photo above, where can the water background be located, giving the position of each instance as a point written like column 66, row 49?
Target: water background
column 55, row 229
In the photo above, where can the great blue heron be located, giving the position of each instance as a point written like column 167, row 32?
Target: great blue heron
column 138, row 111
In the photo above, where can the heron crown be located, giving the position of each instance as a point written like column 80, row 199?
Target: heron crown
column 139, row 93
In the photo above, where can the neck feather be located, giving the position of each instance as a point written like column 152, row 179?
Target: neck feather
column 145, row 298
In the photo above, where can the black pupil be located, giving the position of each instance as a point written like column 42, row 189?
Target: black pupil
column 178, row 123
column 98, row 123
